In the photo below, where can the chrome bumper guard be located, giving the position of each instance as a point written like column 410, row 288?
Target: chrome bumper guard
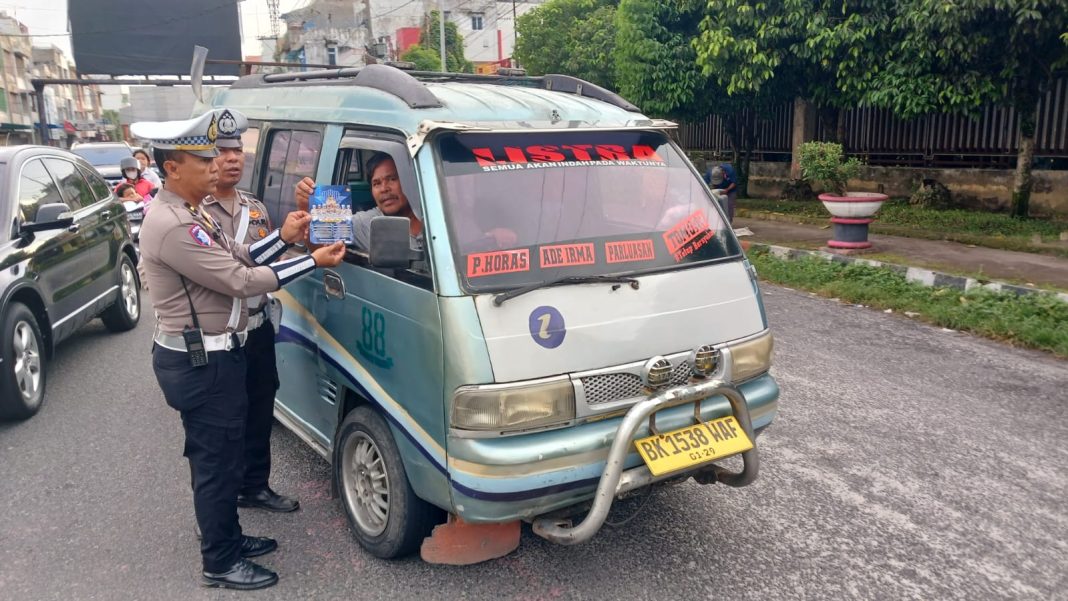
column 615, row 481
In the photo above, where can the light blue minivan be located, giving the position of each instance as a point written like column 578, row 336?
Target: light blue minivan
column 575, row 321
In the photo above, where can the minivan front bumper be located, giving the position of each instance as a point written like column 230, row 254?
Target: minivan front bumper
column 529, row 475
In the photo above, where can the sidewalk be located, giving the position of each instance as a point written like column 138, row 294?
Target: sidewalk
column 949, row 258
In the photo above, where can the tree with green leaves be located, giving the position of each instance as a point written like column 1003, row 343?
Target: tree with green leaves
column 427, row 53
column 657, row 69
column 911, row 56
column 824, row 52
column 958, row 55
column 571, row 37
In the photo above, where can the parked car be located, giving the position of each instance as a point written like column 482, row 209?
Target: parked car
column 105, row 158
column 578, row 321
column 67, row 259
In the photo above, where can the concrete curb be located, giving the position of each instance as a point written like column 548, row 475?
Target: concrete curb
column 926, row 277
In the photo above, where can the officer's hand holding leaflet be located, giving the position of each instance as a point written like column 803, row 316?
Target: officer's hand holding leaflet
column 295, row 228
column 329, row 256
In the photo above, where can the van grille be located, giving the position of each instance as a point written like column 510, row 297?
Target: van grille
column 607, row 388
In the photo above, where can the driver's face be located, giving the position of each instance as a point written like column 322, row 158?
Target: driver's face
column 386, row 189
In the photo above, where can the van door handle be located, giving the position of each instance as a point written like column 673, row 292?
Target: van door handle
column 334, row 285
column 105, row 214
column 74, row 227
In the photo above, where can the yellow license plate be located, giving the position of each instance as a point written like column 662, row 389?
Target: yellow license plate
column 694, row 445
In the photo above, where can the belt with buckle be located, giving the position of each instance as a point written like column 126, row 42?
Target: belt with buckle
column 256, row 320
column 217, row 342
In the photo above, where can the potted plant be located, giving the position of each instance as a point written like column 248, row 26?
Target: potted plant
column 851, row 212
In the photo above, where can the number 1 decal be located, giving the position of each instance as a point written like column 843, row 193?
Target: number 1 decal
column 547, row 327
column 543, row 332
column 372, row 345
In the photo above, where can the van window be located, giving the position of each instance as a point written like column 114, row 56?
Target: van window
column 291, row 155
column 525, row 208
column 351, row 170
column 36, row 188
column 76, row 190
column 250, row 140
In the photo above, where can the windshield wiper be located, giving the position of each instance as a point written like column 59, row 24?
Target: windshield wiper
column 571, row 279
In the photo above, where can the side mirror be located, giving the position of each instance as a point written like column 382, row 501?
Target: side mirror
column 52, row 216
column 390, row 246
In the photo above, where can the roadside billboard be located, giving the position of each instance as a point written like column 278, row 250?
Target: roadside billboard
column 152, row 37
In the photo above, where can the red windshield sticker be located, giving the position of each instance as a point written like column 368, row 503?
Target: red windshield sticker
column 626, row 251
column 688, row 235
column 496, row 263
column 685, row 231
column 566, row 255
column 565, row 155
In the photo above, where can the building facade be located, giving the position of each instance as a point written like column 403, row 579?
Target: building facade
column 17, row 104
column 74, row 113
column 347, row 33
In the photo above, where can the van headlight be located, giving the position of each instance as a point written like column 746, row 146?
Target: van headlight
column 510, row 407
column 752, row 357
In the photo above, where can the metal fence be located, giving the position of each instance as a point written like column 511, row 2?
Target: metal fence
column 988, row 140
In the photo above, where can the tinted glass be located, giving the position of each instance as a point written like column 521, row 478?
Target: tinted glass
column 276, row 166
column 103, row 155
column 97, row 183
column 249, row 141
column 527, row 208
column 76, row 191
column 301, row 161
column 35, row 189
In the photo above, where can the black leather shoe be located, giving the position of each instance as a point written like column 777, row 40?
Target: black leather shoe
column 269, row 500
column 254, row 546
column 243, row 575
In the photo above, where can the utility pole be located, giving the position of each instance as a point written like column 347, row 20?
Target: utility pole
column 441, row 31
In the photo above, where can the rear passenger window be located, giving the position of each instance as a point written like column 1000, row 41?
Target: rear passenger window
column 100, row 188
column 292, row 155
column 250, row 139
column 36, row 188
column 73, row 186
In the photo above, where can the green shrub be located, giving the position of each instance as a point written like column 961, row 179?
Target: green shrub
column 823, row 163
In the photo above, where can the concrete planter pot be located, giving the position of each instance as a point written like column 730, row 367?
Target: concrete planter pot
column 850, row 215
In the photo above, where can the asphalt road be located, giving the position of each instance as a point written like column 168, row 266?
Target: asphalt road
column 907, row 462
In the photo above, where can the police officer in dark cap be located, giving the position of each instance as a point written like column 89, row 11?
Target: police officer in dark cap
column 199, row 278
column 245, row 219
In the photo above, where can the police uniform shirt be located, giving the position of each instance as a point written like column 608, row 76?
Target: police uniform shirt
column 177, row 244
column 259, row 224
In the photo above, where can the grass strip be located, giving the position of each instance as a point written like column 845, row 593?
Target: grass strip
column 1037, row 321
column 899, row 218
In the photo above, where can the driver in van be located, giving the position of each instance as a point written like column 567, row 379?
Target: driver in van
column 390, row 200
column 388, row 194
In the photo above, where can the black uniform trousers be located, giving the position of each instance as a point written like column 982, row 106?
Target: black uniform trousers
column 213, row 405
column 261, row 383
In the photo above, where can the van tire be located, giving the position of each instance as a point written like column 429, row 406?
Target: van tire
column 388, row 519
column 22, row 368
column 125, row 312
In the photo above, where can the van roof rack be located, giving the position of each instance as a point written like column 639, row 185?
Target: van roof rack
column 408, row 85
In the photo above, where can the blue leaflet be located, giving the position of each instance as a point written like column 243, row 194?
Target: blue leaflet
column 331, row 212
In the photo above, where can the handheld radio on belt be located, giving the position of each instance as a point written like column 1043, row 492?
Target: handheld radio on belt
column 194, row 336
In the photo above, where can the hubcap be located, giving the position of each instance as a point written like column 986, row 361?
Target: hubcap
column 27, row 361
column 366, row 484
column 130, row 297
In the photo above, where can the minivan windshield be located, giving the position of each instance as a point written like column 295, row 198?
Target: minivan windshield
column 525, row 208
column 102, row 156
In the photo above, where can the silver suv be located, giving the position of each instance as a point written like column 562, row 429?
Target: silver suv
column 104, row 157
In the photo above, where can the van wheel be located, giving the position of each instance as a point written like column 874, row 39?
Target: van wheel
column 387, row 517
column 22, row 369
column 123, row 314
